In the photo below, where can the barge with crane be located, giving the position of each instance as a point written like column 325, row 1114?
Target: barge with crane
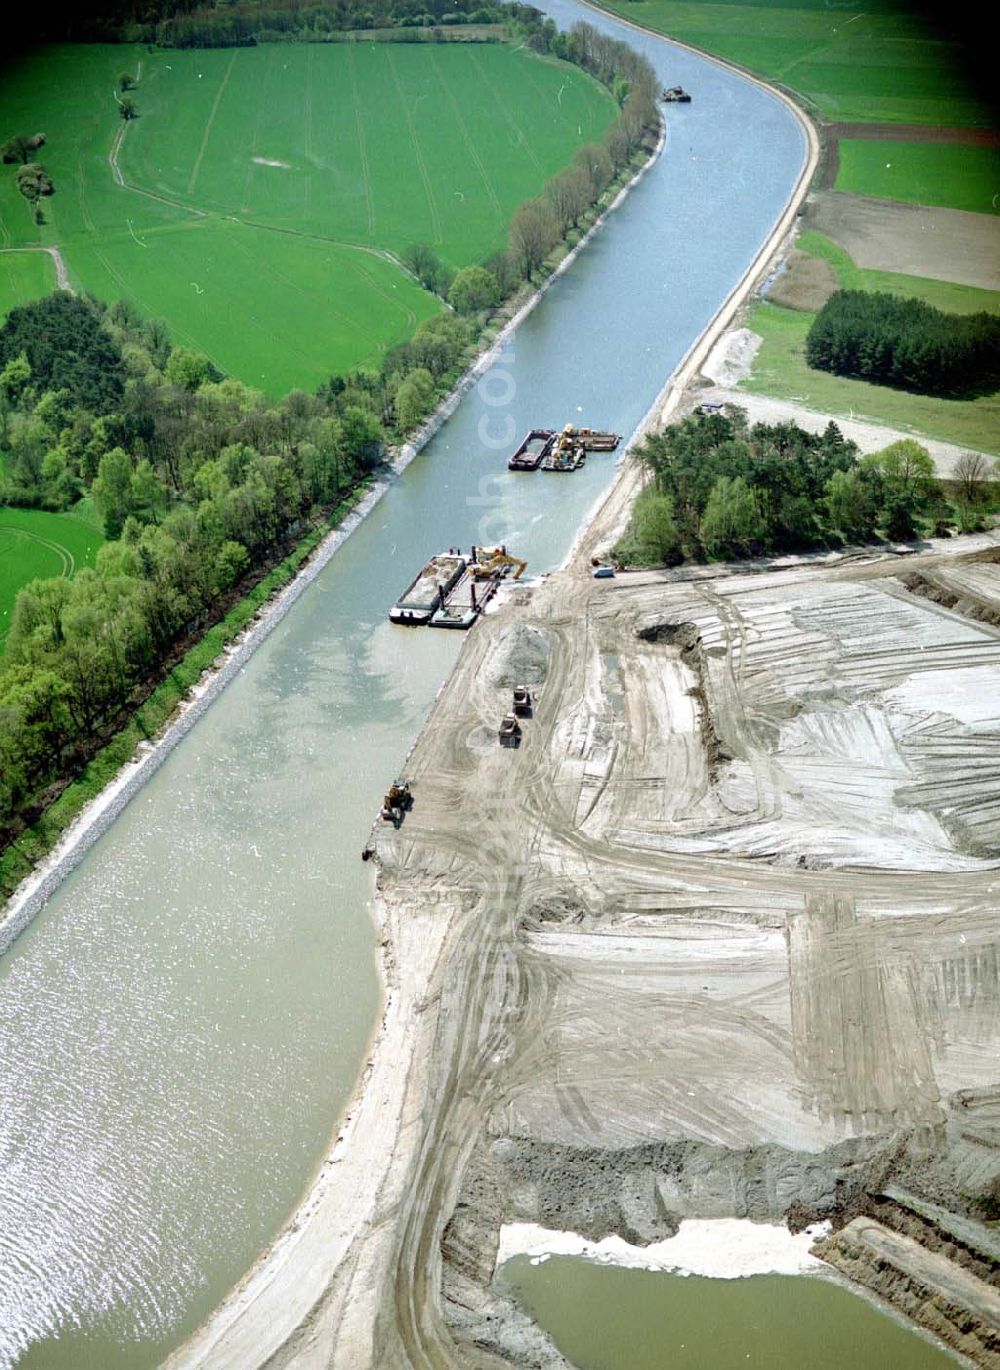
column 547, row 449
column 453, row 589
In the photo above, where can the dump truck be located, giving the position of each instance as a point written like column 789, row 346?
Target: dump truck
column 398, row 801
column 510, row 731
column 522, row 701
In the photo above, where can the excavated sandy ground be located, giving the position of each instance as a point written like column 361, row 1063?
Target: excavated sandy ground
column 718, row 940
column 719, row 936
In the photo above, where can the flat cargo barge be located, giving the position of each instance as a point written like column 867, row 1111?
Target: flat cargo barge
column 535, row 446
column 429, row 590
column 594, row 440
column 547, row 450
column 452, row 590
column 466, row 602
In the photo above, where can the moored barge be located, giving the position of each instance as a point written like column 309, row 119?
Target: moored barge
column 528, row 457
column 429, row 590
column 453, row 590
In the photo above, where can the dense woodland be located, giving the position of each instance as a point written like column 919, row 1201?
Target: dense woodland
column 722, row 488
column 202, row 483
column 889, row 340
column 244, row 23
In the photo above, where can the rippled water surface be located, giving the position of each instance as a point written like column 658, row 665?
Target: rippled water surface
column 181, row 1027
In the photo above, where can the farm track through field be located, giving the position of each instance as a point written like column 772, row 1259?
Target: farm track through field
column 66, row 557
column 307, row 132
column 505, row 114
column 265, row 265
column 362, row 144
column 193, row 178
column 248, row 175
column 467, row 138
column 438, row 236
column 62, row 276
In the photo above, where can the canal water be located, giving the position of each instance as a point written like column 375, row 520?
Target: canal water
column 604, row 1317
column 183, row 1024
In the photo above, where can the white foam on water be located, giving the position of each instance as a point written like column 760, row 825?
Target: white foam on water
column 721, row 1248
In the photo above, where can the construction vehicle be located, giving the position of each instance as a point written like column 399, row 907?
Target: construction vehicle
column 522, row 701
column 397, row 802
column 567, row 452
column 495, row 561
column 510, row 731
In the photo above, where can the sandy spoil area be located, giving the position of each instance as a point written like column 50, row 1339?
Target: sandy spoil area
column 887, row 235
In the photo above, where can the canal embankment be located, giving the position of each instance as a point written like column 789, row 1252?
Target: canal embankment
column 173, row 955
column 97, row 815
column 298, row 1284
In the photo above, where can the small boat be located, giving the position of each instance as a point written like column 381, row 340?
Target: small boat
column 675, row 95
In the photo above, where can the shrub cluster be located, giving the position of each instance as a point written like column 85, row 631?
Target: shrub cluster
column 904, row 342
column 724, row 489
column 200, row 482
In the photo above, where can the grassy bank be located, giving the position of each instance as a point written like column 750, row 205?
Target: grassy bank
column 157, row 709
column 872, row 61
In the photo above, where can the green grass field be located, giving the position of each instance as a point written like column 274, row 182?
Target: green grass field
column 923, row 173
column 35, row 545
column 24, row 276
column 857, row 61
column 265, row 188
column 780, row 367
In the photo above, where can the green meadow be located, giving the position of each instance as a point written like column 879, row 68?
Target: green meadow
column 35, row 545
column 259, row 200
column 780, row 367
column 853, row 61
column 922, row 173
column 24, row 276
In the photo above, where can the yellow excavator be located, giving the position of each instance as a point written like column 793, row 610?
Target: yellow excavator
column 397, row 802
column 491, row 561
